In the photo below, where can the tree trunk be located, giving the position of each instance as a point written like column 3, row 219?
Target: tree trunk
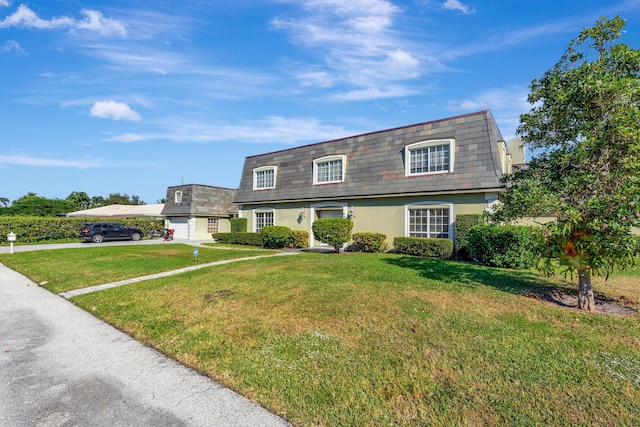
column 586, row 301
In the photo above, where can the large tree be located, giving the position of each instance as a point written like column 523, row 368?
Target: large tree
column 584, row 126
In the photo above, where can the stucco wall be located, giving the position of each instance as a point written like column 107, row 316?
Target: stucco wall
column 386, row 216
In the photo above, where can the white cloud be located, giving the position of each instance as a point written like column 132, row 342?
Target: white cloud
column 42, row 161
column 12, row 46
column 375, row 93
column 4, row 3
column 273, row 129
column 355, row 44
column 94, row 22
column 114, row 110
column 459, row 6
column 506, row 105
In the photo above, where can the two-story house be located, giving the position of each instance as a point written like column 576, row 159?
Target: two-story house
column 408, row 181
column 196, row 211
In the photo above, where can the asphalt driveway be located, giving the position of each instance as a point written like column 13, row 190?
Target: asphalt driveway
column 61, row 366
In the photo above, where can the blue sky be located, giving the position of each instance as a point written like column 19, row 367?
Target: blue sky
column 135, row 96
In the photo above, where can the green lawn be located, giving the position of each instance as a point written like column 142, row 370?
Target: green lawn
column 68, row 269
column 365, row 339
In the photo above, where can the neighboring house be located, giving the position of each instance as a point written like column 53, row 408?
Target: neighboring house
column 408, row 181
column 196, row 211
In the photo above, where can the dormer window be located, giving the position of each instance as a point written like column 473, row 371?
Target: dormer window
column 264, row 178
column 178, row 196
column 329, row 169
column 429, row 157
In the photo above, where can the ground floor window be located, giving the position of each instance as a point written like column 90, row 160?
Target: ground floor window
column 262, row 219
column 429, row 222
column 213, row 225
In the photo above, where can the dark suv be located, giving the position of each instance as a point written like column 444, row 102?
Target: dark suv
column 98, row 232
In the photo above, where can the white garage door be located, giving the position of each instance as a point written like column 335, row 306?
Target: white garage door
column 180, row 227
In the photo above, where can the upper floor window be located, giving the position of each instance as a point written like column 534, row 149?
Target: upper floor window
column 429, row 157
column 329, row 169
column 178, row 196
column 264, row 177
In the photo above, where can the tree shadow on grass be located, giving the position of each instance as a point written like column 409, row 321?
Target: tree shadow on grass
column 518, row 282
column 467, row 274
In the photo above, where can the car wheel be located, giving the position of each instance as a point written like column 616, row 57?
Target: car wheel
column 135, row 236
column 97, row 238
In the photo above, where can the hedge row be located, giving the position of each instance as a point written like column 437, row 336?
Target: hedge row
column 505, row 246
column 424, row 247
column 35, row 229
column 271, row 236
column 250, row 239
column 464, row 223
column 369, row 242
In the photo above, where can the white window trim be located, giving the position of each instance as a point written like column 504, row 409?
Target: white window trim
column 255, row 217
column 325, row 159
column 262, row 169
column 430, row 205
column 177, row 196
column 424, row 144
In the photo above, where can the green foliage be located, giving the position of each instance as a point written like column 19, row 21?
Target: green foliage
column 275, row 236
column 298, row 239
column 238, row 225
column 507, row 246
column 251, row 239
column 424, row 247
column 585, row 123
column 33, row 229
column 464, row 222
column 332, row 231
column 33, row 205
column 370, row 242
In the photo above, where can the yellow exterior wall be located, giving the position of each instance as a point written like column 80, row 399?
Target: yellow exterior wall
column 386, row 216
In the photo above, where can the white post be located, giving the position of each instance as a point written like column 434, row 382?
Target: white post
column 11, row 237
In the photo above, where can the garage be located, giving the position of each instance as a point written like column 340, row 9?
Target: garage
column 180, row 227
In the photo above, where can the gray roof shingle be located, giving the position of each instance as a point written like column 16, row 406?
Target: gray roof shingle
column 375, row 163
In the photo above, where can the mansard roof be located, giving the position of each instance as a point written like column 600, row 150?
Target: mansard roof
column 375, row 163
column 200, row 200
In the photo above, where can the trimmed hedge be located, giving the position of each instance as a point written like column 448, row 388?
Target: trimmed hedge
column 36, row 229
column 275, row 236
column 464, row 223
column 238, row 225
column 332, row 231
column 424, row 247
column 369, row 242
column 299, row 239
column 250, row 239
column 505, row 246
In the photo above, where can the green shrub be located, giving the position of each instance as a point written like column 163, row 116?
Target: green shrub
column 332, row 231
column 506, row 246
column 370, row 242
column 238, row 225
column 424, row 247
column 464, row 222
column 275, row 236
column 298, row 239
column 36, row 229
column 251, row 239
column 226, row 238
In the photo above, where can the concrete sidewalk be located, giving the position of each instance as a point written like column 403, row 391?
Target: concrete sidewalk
column 62, row 366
